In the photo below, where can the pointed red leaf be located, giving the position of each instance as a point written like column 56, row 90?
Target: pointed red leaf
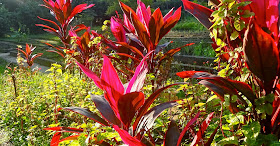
column 127, row 139
column 111, row 83
column 261, row 55
column 266, row 14
column 118, row 30
column 143, row 13
column 129, row 56
column 137, row 81
column 55, row 24
column 187, row 128
column 91, row 75
column 141, row 31
column 148, row 103
column 201, row 13
column 202, row 129
column 169, row 14
column 133, row 49
column 155, row 25
column 55, row 139
column 210, row 140
column 170, row 23
column 128, row 105
column 48, row 27
column 79, row 9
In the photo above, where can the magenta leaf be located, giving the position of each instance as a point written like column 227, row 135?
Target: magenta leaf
column 172, row 135
column 127, row 139
column 137, row 81
column 118, row 30
column 201, row 13
column 86, row 112
column 91, row 75
column 111, row 83
column 105, row 109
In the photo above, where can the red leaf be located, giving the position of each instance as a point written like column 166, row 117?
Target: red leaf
column 202, row 129
column 79, row 9
column 91, row 75
column 169, row 14
column 148, row 103
column 55, row 139
column 127, row 139
column 137, row 81
column 141, row 31
column 129, row 56
column 187, row 128
column 48, row 27
column 221, row 86
column 50, row 22
column 111, row 83
column 143, row 13
column 155, row 25
column 128, row 105
column 133, row 49
column 118, row 30
column 201, row 13
column 261, row 55
column 266, row 14
column 170, row 23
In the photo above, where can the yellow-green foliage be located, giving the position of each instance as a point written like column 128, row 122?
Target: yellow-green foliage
column 24, row 116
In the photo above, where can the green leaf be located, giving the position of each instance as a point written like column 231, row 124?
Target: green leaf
column 234, row 35
column 239, row 24
column 269, row 98
column 268, row 108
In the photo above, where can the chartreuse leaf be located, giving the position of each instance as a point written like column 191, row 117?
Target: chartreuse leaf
column 234, row 35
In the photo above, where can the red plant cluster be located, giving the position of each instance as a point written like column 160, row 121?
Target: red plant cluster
column 261, row 53
column 124, row 108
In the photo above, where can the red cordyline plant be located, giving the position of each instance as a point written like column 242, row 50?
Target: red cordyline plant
column 260, row 92
column 84, row 47
column 121, row 104
column 140, row 33
column 64, row 13
column 28, row 54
